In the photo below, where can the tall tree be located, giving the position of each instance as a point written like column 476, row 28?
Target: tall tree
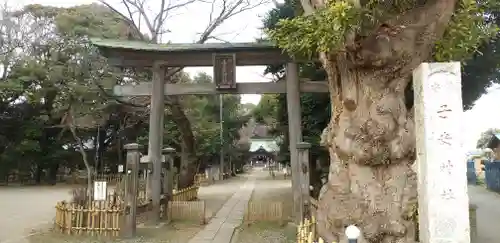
column 486, row 136
column 368, row 50
column 66, row 69
column 156, row 25
column 52, row 74
column 266, row 111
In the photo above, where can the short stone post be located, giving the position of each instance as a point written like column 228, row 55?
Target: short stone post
column 168, row 178
column 442, row 185
column 147, row 166
column 303, row 153
column 132, row 170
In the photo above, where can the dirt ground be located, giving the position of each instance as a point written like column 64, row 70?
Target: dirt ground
column 25, row 209
column 172, row 233
column 272, row 190
column 28, row 213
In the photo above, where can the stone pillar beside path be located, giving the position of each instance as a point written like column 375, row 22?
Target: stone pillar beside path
column 146, row 167
column 304, row 168
column 132, row 172
column 442, row 184
column 168, row 178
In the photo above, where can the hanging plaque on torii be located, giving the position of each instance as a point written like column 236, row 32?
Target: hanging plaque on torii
column 225, row 71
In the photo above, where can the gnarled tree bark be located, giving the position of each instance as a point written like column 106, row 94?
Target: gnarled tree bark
column 189, row 161
column 371, row 134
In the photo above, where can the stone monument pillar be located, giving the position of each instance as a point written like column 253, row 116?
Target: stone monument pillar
column 442, row 184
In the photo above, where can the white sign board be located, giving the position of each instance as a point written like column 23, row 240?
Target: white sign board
column 100, row 189
column 120, row 168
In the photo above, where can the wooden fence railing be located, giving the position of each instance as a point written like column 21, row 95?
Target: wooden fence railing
column 264, row 211
column 111, row 179
column 200, row 179
column 187, row 210
column 103, row 217
column 186, row 194
column 96, row 218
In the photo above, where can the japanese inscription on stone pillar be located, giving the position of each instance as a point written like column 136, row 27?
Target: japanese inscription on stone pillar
column 225, row 71
column 443, row 200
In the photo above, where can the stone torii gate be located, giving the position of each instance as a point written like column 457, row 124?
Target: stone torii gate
column 224, row 57
column 442, row 185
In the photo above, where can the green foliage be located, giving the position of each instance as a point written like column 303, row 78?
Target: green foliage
column 322, row 31
column 203, row 113
column 52, row 70
column 315, row 108
column 486, row 137
column 266, row 111
column 482, row 69
column 466, row 31
column 55, row 69
column 325, row 29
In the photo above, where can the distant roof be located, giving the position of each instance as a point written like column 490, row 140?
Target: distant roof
column 268, row 144
column 134, row 53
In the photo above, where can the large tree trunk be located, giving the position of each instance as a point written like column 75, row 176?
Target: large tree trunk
column 371, row 133
column 371, row 181
column 188, row 166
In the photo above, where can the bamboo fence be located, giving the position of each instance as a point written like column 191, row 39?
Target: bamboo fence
column 86, row 216
column 94, row 218
column 187, row 210
column 186, row 194
column 264, row 211
column 306, row 232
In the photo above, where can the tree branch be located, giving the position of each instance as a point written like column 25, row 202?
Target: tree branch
column 229, row 9
column 406, row 40
column 129, row 20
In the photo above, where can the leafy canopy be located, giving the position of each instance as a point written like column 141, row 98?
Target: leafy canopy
column 325, row 29
column 485, row 137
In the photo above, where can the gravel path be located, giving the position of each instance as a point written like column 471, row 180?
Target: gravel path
column 25, row 209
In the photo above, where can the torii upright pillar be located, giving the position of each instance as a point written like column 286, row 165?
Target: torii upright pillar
column 295, row 133
column 156, row 118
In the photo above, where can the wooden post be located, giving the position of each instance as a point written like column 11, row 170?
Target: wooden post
column 156, row 139
column 303, row 149
column 131, row 185
column 168, row 180
column 442, row 185
column 295, row 133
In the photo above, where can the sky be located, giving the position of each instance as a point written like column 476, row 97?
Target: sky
column 187, row 23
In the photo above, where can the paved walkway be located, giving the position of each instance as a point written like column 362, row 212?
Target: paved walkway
column 220, row 229
column 488, row 214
